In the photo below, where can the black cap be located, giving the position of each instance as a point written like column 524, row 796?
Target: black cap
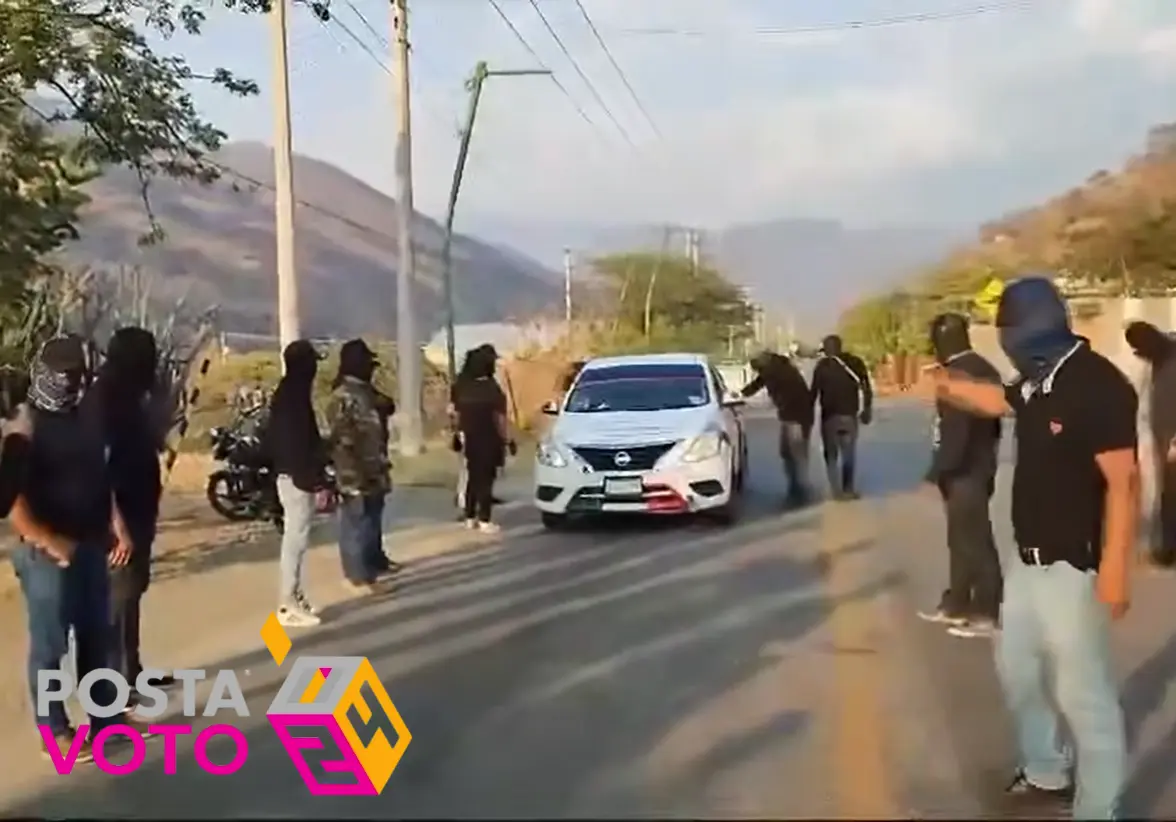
column 357, row 348
column 65, row 354
column 302, row 349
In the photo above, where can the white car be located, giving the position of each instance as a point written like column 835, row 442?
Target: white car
column 652, row 434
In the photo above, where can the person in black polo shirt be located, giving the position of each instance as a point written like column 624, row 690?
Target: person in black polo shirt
column 963, row 471
column 1075, row 505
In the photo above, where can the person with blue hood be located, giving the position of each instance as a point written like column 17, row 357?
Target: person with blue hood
column 1075, row 505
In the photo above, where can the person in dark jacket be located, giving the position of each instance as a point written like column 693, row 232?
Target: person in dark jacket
column 71, row 533
column 1157, row 349
column 122, row 397
column 481, row 413
column 794, row 409
column 963, row 470
column 17, row 430
column 841, row 384
column 298, row 455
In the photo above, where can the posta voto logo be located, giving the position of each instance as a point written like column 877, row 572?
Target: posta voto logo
column 332, row 714
column 335, row 719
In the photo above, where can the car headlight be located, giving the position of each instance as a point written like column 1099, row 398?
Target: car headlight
column 550, row 455
column 703, row 447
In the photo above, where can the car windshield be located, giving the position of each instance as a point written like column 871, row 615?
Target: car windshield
column 639, row 388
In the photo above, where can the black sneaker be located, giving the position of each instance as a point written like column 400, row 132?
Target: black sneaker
column 64, row 741
column 1027, row 800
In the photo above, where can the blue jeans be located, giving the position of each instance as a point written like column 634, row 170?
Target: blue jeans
column 361, row 537
column 1050, row 616
column 297, row 514
column 56, row 599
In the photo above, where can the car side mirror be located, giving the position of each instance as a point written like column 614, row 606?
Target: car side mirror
column 734, row 400
column 551, row 408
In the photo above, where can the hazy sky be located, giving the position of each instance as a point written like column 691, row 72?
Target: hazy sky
column 948, row 120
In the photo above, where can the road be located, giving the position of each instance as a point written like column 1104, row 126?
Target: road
column 772, row 669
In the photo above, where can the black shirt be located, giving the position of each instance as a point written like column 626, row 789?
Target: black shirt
column 133, row 455
column 67, row 486
column 479, row 403
column 292, row 440
column 965, row 444
column 1084, row 408
column 843, row 388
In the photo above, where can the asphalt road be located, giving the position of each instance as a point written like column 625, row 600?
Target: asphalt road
column 772, row 669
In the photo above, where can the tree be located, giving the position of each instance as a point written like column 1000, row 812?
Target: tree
column 666, row 296
column 80, row 91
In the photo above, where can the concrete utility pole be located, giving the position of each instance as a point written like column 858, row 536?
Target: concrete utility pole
column 568, row 266
column 474, row 87
column 288, row 315
column 695, row 249
column 408, row 353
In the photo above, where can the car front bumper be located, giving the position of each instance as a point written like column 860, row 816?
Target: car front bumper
column 681, row 488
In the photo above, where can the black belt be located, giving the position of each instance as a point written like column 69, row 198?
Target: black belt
column 1035, row 556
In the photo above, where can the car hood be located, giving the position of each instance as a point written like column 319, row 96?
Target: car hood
column 621, row 428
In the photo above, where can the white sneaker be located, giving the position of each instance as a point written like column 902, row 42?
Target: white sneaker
column 294, row 617
column 471, row 525
column 489, row 527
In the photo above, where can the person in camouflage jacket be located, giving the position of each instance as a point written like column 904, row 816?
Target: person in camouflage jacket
column 358, row 440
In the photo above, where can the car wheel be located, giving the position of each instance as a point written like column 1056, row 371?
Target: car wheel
column 554, row 522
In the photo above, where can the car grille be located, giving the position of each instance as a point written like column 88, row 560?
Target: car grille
column 641, row 457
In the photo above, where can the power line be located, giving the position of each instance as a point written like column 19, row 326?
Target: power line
column 620, row 72
column 539, row 60
column 591, row 87
column 848, row 25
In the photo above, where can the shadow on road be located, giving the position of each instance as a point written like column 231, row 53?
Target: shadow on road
column 536, row 679
column 1143, row 695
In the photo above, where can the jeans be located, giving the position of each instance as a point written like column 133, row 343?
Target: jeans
column 839, row 434
column 361, row 538
column 297, row 513
column 975, row 584
column 57, row 599
column 1051, row 617
column 794, row 446
column 127, row 587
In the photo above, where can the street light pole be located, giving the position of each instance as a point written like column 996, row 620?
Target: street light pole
column 474, row 87
column 288, row 313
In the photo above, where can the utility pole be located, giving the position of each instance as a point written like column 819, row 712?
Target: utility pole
column 568, row 266
column 474, row 87
column 408, row 354
column 288, row 315
column 695, row 249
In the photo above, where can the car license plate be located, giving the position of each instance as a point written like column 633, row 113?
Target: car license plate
column 622, row 487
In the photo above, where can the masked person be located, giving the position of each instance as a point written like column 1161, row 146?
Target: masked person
column 359, row 450
column 1075, row 513
column 963, row 470
column 841, row 384
column 481, row 415
column 123, row 401
column 70, row 532
column 463, row 376
column 794, row 409
column 298, row 454
column 1157, row 348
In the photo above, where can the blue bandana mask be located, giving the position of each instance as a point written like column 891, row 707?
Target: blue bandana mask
column 1034, row 327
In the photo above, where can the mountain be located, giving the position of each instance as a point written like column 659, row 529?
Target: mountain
column 219, row 250
column 807, row 269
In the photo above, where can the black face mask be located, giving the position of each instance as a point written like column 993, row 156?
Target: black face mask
column 949, row 336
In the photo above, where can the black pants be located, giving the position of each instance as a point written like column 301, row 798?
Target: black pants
column 1165, row 554
column 839, row 435
column 128, row 584
column 481, row 471
column 975, row 581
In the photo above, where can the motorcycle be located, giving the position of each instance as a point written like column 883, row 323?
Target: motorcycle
column 245, row 490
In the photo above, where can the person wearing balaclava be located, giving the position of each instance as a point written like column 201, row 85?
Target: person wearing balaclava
column 963, row 471
column 468, row 366
column 1075, row 511
column 1157, row 348
column 122, row 397
column 841, row 384
column 298, row 456
column 789, row 393
column 358, row 446
column 70, row 533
